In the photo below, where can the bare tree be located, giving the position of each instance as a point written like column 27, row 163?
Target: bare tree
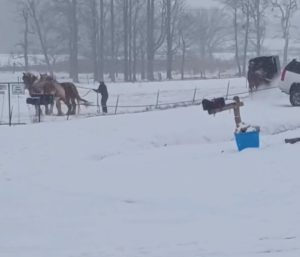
column 101, row 40
column 257, row 11
column 246, row 10
column 136, row 22
column 126, row 38
column 38, row 17
column 174, row 9
column 26, row 33
column 210, row 33
column 287, row 9
column 186, row 30
column 73, row 24
column 141, row 37
column 112, row 40
column 154, row 44
column 91, row 24
column 234, row 6
column 66, row 12
column 23, row 12
column 169, row 38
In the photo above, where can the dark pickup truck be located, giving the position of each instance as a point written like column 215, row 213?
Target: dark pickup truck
column 262, row 70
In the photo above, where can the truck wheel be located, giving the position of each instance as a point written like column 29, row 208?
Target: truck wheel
column 295, row 97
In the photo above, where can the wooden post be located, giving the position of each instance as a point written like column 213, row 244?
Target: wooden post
column 236, row 108
column 237, row 113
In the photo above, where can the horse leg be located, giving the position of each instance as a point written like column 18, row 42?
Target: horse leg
column 68, row 104
column 50, row 110
column 73, row 106
column 47, row 110
column 58, row 106
column 78, row 106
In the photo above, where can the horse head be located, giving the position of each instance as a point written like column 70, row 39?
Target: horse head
column 46, row 77
column 28, row 79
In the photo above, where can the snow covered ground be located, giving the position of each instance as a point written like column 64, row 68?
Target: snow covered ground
column 156, row 184
column 130, row 97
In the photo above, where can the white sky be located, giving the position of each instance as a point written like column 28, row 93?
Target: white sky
column 202, row 3
column 9, row 28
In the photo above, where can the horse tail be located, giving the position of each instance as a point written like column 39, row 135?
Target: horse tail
column 78, row 97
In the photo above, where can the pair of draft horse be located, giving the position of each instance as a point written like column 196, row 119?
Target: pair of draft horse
column 47, row 85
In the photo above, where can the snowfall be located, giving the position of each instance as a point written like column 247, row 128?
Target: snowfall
column 163, row 183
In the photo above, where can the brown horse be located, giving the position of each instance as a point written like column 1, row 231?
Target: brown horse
column 71, row 92
column 46, row 87
column 256, row 79
column 29, row 79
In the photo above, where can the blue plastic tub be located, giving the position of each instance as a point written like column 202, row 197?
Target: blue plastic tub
column 247, row 140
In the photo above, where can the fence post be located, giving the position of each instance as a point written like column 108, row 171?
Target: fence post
column 19, row 118
column 117, row 104
column 194, row 97
column 9, row 105
column 39, row 111
column 227, row 93
column 2, row 109
column 98, row 106
column 157, row 99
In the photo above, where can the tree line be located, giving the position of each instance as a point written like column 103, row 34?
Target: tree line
column 141, row 38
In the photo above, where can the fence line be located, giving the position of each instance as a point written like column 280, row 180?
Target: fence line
column 156, row 105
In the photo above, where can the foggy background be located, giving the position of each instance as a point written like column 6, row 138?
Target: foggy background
column 9, row 26
column 132, row 40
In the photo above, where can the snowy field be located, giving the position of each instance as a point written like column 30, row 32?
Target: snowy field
column 124, row 97
column 156, row 184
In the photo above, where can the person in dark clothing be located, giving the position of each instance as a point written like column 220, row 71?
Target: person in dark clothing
column 102, row 89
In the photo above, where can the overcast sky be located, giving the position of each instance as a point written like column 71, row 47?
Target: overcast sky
column 9, row 27
column 202, row 3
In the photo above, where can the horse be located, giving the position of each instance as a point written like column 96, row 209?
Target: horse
column 256, row 79
column 71, row 92
column 262, row 70
column 45, row 87
column 28, row 80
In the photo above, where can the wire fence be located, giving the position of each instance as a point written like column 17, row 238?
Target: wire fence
column 15, row 111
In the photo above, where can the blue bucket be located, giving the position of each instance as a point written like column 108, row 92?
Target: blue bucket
column 247, row 140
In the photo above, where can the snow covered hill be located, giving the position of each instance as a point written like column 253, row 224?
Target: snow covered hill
column 158, row 184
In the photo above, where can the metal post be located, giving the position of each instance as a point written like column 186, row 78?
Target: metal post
column 227, row 93
column 19, row 119
column 9, row 105
column 195, row 92
column 157, row 100
column 117, row 104
column 2, row 109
